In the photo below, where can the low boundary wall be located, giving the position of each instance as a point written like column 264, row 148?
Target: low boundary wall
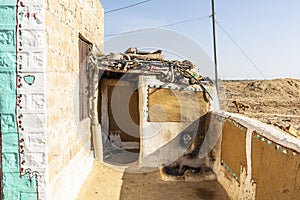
column 255, row 160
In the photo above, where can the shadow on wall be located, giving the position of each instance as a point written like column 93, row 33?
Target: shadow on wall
column 184, row 149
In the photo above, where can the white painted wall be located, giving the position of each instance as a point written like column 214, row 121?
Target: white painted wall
column 31, row 47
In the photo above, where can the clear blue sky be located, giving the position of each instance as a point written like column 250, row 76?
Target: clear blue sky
column 267, row 30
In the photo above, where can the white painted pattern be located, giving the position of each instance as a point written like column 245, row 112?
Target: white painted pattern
column 31, row 62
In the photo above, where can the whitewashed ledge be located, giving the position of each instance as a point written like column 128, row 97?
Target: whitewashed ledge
column 268, row 131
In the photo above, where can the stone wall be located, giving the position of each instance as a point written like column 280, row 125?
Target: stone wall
column 68, row 146
column 22, row 100
column 41, row 150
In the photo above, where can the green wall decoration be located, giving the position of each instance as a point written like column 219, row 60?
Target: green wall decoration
column 16, row 185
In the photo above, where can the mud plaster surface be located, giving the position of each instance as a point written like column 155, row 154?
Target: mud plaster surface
column 234, row 147
column 277, row 174
column 107, row 184
column 167, row 105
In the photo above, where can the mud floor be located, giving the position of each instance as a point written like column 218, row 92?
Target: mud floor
column 105, row 183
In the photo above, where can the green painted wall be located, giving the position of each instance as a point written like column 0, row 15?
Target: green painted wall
column 15, row 187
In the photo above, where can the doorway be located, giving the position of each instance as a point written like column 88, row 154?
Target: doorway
column 121, row 120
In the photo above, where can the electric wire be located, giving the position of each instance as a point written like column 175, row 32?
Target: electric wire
column 162, row 26
column 183, row 22
column 240, row 48
column 126, row 7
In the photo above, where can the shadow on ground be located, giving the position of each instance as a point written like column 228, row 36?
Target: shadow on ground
column 150, row 186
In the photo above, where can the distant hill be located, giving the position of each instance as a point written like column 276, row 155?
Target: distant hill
column 271, row 101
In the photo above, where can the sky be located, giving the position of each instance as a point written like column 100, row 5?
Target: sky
column 267, row 31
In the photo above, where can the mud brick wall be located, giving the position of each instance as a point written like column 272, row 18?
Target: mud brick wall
column 168, row 105
column 275, row 169
column 255, row 160
column 157, row 132
column 233, row 154
column 69, row 156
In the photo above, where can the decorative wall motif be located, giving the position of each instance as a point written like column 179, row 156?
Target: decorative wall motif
column 6, row 38
column 233, row 135
column 22, row 99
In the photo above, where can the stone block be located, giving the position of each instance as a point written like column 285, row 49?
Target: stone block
column 32, row 39
column 6, row 105
column 10, row 143
column 35, row 147
column 33, row 122
column 7, row 82
column 65, row 46
column 13, row 181
column 75, row 149
column 34, row 103
column 37, row 60
column 54, row 6
column 8, row 123
column 48, row 18
column 7, row 15
column 23, row 59
column 59, row 63
column 7, row 61
column 50, row 61
column 52, row 117
column 7, row 38
column 37, row 16
column 36, row 139
column 54, row 152
column 10, row 162
column 37, row 86
column 28, row 195
column 36, row 159
column 8, row 2
column 54, row 169
column 37, row 102
column 66, row 158
column 24, row 16
column 11, row 194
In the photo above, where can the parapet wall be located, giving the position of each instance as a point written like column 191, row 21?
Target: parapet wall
column 255, row 160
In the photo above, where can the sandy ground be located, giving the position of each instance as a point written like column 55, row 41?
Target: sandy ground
column 272, row 101
column 275, row 102
column 104, row 183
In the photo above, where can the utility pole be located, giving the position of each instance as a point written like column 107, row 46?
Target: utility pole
column 215, row 44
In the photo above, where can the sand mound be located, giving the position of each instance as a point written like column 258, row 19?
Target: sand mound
column 271, row 101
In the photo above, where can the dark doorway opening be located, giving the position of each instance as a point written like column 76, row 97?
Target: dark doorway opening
column 123, row 109
column 120, row 120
